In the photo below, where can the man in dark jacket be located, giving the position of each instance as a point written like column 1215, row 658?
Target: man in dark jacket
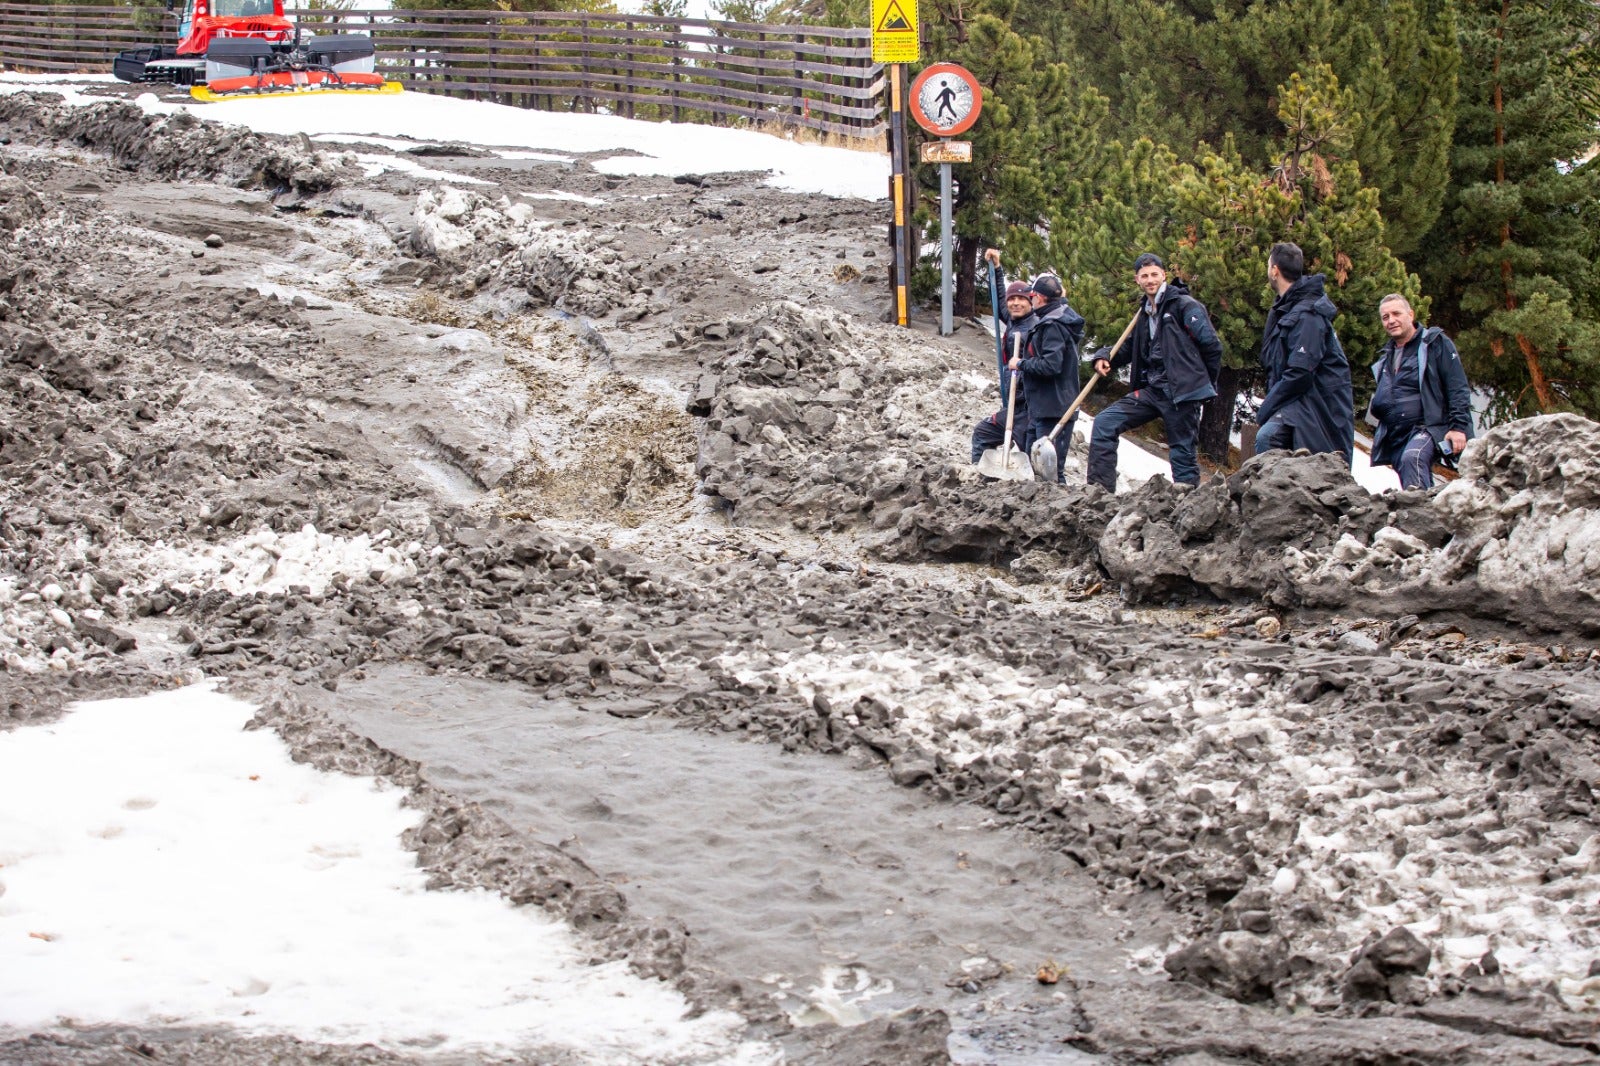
column 1017, row 314
column 1176, row 357
column 1049, row 363
column 1310, row 403
column 1422, row 402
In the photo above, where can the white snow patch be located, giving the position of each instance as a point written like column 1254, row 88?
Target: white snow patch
column 161, row 865
column 268, row 561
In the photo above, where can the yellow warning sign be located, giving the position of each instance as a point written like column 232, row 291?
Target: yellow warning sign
column 894, row 32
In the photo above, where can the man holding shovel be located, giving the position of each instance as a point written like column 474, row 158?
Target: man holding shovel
column 1176, row 357
column 1013, row 322
column 1049, row 363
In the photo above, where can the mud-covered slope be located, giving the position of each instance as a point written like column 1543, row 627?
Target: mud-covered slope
column 268, row 417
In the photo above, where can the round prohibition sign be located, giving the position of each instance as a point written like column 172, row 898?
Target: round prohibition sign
column 946, row 99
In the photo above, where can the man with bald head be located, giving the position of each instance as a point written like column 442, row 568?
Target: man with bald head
column 1422, row 403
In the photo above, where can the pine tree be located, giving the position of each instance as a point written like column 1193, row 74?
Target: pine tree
column 1194, row 73
column 1215, row 221
column 1512, row 260
column 1036, row 123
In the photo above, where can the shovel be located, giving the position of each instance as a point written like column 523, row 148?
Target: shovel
column 1007, row 463
column 994, row 304
column 1046, row 460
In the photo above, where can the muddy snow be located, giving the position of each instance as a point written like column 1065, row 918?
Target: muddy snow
column 583, row 525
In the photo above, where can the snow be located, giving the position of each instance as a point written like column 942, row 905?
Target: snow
column 160, row 864
column 659, row 148
column 267, row 561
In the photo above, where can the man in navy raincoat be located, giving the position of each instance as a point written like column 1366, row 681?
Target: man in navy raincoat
column 1310, row 403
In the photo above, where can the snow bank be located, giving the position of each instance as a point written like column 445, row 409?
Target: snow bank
column 161, row 865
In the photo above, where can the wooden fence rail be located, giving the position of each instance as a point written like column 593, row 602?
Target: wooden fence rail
column 638, row 66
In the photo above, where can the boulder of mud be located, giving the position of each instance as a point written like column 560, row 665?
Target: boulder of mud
column 1399, row 952
column 483, row 241
column 64, row 370
column 1243, row 966
column 917, row 1037
column 1230, row 537
column 1387, row 968
column 19, row 204
column 1525, row 519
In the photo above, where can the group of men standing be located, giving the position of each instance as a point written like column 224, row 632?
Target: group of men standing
column 1421, row 404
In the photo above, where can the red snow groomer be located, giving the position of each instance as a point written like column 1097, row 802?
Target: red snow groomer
column 232, row 48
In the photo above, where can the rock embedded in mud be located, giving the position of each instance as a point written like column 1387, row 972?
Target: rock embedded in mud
column 19, row 204
column 1241, row 965
column 1399, row 951
column 1390, row 968
column 917, row 1037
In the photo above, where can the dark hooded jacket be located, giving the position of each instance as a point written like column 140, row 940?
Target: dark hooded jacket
column 1308, row 377
column 1050, row 360
column 1191, row 351
column 1015, row 339
column 1442, row 385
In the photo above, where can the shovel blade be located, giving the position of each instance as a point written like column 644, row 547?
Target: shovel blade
column 1044, row 459
column 1005, row 464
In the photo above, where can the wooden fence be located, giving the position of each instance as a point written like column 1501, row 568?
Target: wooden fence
column 638, row 66
column 51, row 38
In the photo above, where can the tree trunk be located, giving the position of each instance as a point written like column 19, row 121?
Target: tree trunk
column 1530, row 354
column 1216, row 422
column 1541, row 385
column 966, row 255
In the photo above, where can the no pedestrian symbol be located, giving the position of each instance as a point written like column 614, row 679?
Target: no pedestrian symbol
column 946, row 99
column 894, row 31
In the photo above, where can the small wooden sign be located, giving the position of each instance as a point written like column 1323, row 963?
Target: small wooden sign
column 947, row 151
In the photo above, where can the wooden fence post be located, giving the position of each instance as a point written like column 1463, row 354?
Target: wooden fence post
column 493, row 62
column 677, row 61
column 801, row 115
column 627, row 104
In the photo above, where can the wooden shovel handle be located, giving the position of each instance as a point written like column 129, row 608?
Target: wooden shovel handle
column 1084, row 395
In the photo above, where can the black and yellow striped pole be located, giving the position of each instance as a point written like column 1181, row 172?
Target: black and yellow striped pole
column 899, row 158
column 895, row 43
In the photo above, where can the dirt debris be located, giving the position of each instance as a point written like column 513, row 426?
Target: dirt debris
column 368, row 429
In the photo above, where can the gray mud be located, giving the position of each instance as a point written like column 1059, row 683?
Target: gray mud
column 672, row 532
column 780, row 863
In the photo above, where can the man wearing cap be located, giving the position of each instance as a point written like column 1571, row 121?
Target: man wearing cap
column 1049, row 363
column 1176, row 357
column 1017, row 313
column 1422, row 403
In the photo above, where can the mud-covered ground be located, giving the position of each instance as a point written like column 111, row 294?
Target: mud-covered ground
column 1283, row 772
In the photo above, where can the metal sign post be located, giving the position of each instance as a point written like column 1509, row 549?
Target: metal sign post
column 895, row 42
column 946, row 274
column 944, row 153
column 946, row 99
